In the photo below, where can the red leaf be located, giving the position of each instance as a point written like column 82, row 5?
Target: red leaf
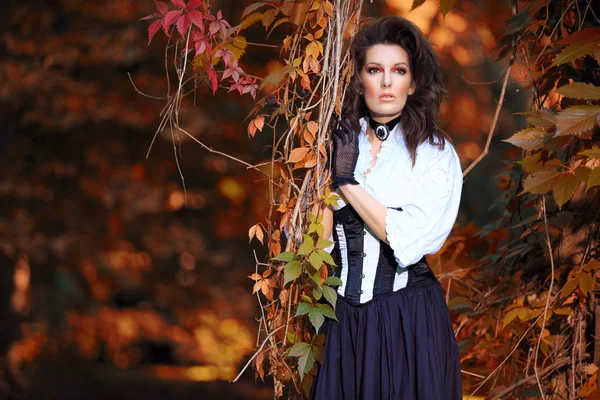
column 196, row 17
column 162, row 8
column 183, row 24
column 153, row 28
column 194, row 4
column 171, row 17
column 179, row 3
column 212, row 77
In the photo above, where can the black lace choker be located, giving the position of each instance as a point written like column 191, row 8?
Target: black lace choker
column 382, row 130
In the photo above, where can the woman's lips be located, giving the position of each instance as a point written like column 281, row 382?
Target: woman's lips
column 387, row 97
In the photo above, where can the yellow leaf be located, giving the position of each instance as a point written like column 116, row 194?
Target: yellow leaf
column 540, row 182
column 593, row 178
column 564, row 311
column 594, row 152
column 586, row 282
column 570, row 285
column 297, row 154
column 533, row 163
column 564, row 188
column 237, row 46
column 328, row 7
column 510, row 316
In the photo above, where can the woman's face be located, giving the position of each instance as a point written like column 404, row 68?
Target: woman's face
column 387, row 81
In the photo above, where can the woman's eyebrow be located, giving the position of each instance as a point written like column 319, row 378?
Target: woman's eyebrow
column 398, row 63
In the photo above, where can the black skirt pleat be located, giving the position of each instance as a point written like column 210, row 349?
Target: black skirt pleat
column 397, row 346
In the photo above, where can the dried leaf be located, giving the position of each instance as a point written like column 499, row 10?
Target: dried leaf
column 528, row 139
column 256, row 230
column 594, row 152
column 576, row 119
column 564, row 188
column 593, row 178
column 590, row 369
column 580, row 44
column 586, row 282
column 580, row 90
column 297, row 154
column 540, row 182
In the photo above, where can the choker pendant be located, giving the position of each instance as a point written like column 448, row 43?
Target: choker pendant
column 382, row 130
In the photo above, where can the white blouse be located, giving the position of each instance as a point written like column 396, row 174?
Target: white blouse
column 428, row 194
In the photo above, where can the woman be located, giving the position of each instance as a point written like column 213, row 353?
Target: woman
column 400, row 181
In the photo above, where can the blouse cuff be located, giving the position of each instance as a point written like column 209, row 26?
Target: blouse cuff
column 394, row 237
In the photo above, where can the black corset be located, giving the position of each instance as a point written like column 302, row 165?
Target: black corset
column 354, row 231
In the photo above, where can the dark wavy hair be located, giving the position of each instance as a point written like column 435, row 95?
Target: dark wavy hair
column 420, row 113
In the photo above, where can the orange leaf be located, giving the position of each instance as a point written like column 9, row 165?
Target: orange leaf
column 313, row 127
column 586, row 282
column 259, row 121
column 297, row 154
column 528, row 139
column 256, row 230
column 255, row 276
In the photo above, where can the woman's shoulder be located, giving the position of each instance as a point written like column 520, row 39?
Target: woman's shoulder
column 435, row 151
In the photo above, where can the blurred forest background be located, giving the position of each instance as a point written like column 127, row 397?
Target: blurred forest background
column 111, row 284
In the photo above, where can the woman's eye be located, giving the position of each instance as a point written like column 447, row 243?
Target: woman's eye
column 401, row 71
column 372, row 70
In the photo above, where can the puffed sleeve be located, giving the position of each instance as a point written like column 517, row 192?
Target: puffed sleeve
column 428, row 215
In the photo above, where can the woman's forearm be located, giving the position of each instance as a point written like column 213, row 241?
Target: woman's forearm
column 371, row 211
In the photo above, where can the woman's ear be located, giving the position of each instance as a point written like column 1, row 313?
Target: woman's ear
column 412, row 88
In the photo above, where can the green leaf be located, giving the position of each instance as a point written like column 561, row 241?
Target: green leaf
column 312, row 218
column 304, row 249
column 316, row 260
column 316, row 317
column 580, row 44
column 291, row 271
column 285, row 256
column 326, row 257
column 299, row 349
column 303, row 308
column 333, row 281
column 540, row 182
column 308, row 240
column 323, row 244
column 528, row 139
column 593, row 179
column 291, row 337
column 316, row 277
column 564, row 188
column 330, row 295
column 446, row 6
column 580, row 90
column 576, row 119
column 594, row 152
column 317, row 293
column 327, row 311
column 306, row 362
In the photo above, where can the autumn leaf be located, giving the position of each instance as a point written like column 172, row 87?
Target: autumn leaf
column 576, row 119
column 594, row 152
column 586, row 282
column 593, row 178
column 580, row 90
column 256, row 124
column 528, row 139
column 564, row 187
column 540, row 182
column 580, row 43
column 256, row 230
column 297, row 154
column 212, row 78
column 533, row 163
column 446, row 6
column 417, row 3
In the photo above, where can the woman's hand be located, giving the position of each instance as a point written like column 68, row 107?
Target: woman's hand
column 345, row 155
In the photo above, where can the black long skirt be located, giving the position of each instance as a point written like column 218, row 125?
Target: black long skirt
column 399, row 346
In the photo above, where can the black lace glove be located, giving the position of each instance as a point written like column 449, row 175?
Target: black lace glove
column 345, row 155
